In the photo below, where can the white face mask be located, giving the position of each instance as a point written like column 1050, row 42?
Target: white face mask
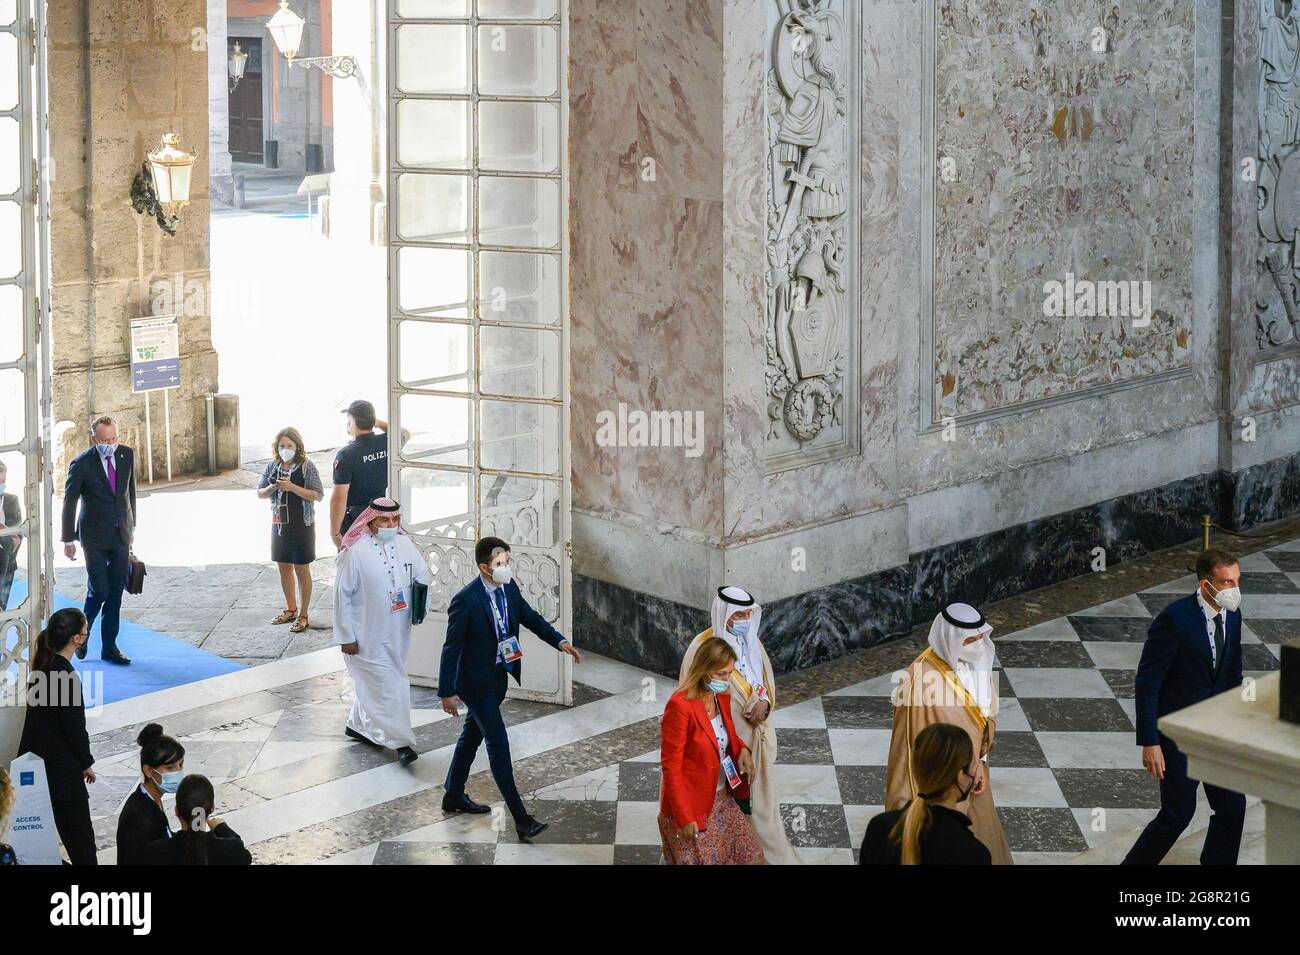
column 977, row 654
column 287, row 454
column 1229, row 598
column 502, row 575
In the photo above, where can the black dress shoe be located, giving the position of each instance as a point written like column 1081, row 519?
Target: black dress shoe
column 407, row 755
column 463, row 803
column 530, row 828
column 349, row 731
column 118, row 657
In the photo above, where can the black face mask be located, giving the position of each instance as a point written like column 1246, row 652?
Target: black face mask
column 965, row 793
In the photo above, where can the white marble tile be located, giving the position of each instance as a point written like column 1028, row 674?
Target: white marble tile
column 807, row 784
column 882, row 685
column 857, row 818
column 1126, row 606
column 599, row 784
column 1068, row 750
column 613, row 676
column 859, row 747
column 282, row 753
column 1120, row 826
column 1062, row 682
column 1058, row 629
column 1041, row 858
column 1011, row 716
column 1248, row 636
column 805, row 715
column 1258, row 563
column 637, row 824
column 252, row 730
column 362, row 856
column 1114, row 654
column 1025, row 786
column 650, row 757
column 1130, row 709
column 460, row 827
column 813, row 855
column 1185, row 584
column 519, row 853
column 425, row 717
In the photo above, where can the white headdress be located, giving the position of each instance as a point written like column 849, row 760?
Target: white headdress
column 973, row 663
column 749, row 657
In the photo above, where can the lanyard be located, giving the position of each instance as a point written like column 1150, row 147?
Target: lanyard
column 502, row 626
column 722, row 750
column 388, row 561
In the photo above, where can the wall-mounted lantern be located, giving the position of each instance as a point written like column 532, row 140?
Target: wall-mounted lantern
column 162, row 186
column 286, row 30
column 235, row 66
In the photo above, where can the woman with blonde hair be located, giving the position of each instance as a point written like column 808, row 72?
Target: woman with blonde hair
column 705, row 766
column 934, row 828
column 293, row 485
column 7, row 799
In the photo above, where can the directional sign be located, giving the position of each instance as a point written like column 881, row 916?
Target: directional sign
column 155, row 353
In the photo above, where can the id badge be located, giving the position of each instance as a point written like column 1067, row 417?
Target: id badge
column 729, row 768
column 396, row 601
column 761, row 692
column 510, row 650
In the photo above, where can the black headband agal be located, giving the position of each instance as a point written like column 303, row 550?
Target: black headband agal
column 963, row 624
column 747, row 602
column 384, row 508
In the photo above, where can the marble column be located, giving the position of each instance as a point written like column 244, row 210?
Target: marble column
column 356, row 201
column 219, row 162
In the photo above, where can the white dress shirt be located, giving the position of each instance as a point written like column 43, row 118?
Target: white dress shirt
column 1210, row 614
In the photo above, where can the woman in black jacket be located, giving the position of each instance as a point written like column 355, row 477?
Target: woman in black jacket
column 933, row 828
column 143, row 819
column 203, row 839
column 55, row 730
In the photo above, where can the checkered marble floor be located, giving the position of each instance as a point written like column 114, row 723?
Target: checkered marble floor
column 1066, row 773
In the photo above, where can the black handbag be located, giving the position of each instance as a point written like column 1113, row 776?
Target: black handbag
column 135, row 572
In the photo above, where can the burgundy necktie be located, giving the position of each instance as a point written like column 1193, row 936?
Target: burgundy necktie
column 112, row 474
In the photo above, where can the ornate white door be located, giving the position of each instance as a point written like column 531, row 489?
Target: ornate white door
column 478, row 344
column 25, row 556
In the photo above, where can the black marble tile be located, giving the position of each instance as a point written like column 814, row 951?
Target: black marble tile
column 1156, row 602
column 803, row 747
column 1263, row 493
column 1041, row 829
column 634, row 627
column 1274, row 631
column 638, row 782
column 1120, row 682
column 1018, row 749
column 862, row 712
column 435, row 853
column 1075, row 715
column 1108, row 788
column 816, row 825
column 305, row 773
column 638, row 855
column 571, row 822
column 1111, row 629
column 862, row 785
column 1043, row 653
column 1285, row 560
column 1257, row 656
column 1254, row 582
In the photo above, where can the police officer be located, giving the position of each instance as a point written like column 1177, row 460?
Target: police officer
column 360, row 469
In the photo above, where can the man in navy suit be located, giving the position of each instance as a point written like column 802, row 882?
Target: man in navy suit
column 102, row 481
column 482, row 647
column 1192, row 652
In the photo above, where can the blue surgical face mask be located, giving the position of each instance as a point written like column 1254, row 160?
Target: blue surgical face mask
column 170, row 782
column 739, row 627
column 106, row 449
column 719, row 686
column 386, row 533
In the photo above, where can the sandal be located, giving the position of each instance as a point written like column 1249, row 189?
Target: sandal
column 285, row 616
column 299, row 625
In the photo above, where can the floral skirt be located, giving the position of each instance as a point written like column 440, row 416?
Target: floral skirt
column 728, row 840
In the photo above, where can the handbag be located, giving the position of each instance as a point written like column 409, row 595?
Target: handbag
column 135, row 572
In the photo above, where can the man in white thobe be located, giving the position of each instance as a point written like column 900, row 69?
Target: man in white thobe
column 372, row 624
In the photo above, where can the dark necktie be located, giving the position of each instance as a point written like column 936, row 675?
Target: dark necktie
column 1218, row 640
column 500, row 595
column 112, row 473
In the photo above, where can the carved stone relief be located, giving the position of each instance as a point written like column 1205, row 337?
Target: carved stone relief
column 1277, row 287
column 812, row 248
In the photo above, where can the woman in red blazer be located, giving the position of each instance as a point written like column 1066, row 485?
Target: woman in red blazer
column 699, row 820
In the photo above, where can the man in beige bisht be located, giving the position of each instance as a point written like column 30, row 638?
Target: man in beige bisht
column 951, row 682
column 736, row 617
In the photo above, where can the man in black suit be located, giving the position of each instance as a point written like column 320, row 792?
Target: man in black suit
column 1192, row 652
column 102, row 480
column 482, row 646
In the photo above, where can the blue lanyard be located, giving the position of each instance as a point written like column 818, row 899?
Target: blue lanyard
column 503, row 628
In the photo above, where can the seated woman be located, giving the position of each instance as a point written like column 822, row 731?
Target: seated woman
column 204, row 839
column 934, row 828
column 143, row 819
column 703, row 760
